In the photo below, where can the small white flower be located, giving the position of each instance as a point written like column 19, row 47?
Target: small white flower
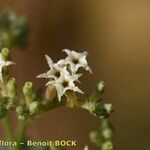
column 86, row 148
column 65, row 82
column 54, row 71
column 3, row 63
column 108, row 107
column 63, row 73
column 77, row 60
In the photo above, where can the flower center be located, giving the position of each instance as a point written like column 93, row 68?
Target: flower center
column 75, row 61
column 57, row 74
column 65, row 84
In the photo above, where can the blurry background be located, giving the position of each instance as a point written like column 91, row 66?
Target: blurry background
column 117, row 36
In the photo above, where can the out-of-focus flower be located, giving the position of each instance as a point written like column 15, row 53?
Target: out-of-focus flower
column 108, row 107
column 65, row 82
column 33, row 107
column 3, row 63
column 77, row 60
column 107, row 146
column 107, row 133
column 13, row 29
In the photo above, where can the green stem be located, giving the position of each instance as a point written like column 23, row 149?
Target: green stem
column 7, row 128
column 21, row 132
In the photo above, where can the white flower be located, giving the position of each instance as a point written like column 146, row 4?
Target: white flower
column 108, row 107
column 54, row 71
column 63, row 73
column 77, row 60
column 3, row 63
column 86, row 148
column 65, row 82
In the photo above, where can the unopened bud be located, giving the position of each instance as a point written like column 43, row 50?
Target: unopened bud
column 107, row 134
column 107, row 145
column 108, row 107
column 106, row 124
column 97, row 93
column 50, row 93
column 5, row 39
column 101, row 86
column 28, row 92
column 19, row 110
column 28, row 88
column 5, row 52
column 11, row 88
column 95, row 137
column 33, row 107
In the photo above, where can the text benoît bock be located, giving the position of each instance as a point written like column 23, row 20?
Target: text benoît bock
column 69, row 143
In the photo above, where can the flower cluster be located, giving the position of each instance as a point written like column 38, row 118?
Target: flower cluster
column 104, row 137
column 62, row 78
column 30, row 102
column 64, row 73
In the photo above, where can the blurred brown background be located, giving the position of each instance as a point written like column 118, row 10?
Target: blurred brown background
column 117, row 36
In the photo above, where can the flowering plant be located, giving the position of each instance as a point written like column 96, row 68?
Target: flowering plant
column 61, row 90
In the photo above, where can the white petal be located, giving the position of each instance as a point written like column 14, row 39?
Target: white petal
column 43, row 75
column 76, row 89
column 67, row 51
column 49, row 61
column 85, row 53
column 60, row 91
column 88, row 68
column 50, row 82
column 61, row 63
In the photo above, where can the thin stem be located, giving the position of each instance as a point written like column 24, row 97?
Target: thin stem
column 21, row 132
column 7, row 128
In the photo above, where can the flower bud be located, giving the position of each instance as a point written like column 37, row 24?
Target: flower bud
column 106, row 124
column 108, row 107
column 50, row 93
column 28, row 88
column 107, row 145
column 11, row 88
column 33, row 107
column 19, row 110
column 107, row 134
column 28, row 92
column 5, row 39
column 3, row 112
column 101, row 86
column 5, row 52
column 100, row 111
column 95, row 137
column 97, row 93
